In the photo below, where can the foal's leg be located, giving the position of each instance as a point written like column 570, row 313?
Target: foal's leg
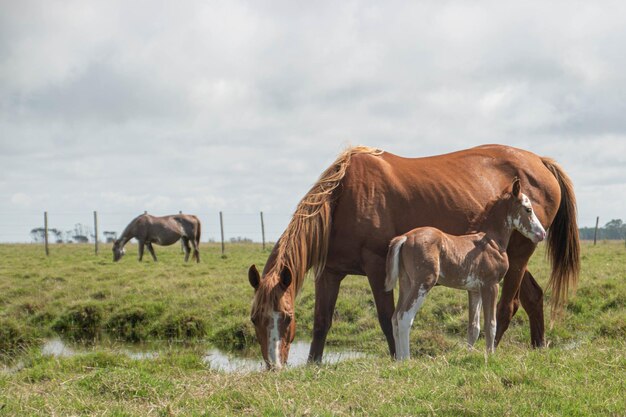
column 409, row 302
column 151, row 250
column 473, row 325
column 489, row 294
column 326, row 291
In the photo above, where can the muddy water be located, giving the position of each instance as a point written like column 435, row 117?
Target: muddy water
column 214, row 358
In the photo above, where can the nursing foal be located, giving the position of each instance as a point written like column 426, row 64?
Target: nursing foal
column 475, row 262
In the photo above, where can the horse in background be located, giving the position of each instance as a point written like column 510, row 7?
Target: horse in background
column 164, row 231
column 426, row 256
column 344, row 224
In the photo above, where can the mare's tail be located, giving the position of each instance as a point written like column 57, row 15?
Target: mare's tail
column 393, row 262
column 198, row 232
column 563, row 241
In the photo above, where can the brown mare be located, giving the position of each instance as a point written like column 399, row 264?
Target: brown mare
column 344, row 224
column 426, row 256
column 163, row 231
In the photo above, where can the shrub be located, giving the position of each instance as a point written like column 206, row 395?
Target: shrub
column 80, row 322
column 234, row 336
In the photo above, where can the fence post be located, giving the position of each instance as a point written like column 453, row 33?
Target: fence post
column 263, row 230
column 45, row 231
column 595, row 233
column 95, row 228
column 222, row 230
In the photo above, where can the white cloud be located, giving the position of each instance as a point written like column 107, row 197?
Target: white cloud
column 239, row 106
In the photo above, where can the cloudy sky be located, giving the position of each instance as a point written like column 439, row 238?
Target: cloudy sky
column 209, row 106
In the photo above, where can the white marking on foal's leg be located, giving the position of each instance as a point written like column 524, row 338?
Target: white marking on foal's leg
column 405, row 321
column 473, row 326
column 273, row 342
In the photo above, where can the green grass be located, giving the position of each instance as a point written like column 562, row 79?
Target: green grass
column 184, row 307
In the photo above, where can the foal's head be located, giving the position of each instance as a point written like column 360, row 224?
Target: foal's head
column 273, row 314
column 118, row 250
column 521, row 215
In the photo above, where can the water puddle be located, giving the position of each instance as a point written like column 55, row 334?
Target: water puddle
column 216, row 359
column 298, row 355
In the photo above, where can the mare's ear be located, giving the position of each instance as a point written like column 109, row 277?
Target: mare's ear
column 254, row 277
column 516, row 188
column 285, row 278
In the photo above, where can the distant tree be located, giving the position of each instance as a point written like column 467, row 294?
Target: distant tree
column 81, row 233
column 240, row 239
column 58, row 235
column 110, row 236
column 615, row 229
column 38, row 234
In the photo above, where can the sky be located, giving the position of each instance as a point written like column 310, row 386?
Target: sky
column 233, row 106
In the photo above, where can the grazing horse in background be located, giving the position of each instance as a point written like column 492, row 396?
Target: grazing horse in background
column 344, row 224
column 426, row 256
column 163, row 231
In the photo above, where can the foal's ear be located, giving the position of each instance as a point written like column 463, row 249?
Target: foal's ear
column 254, row 277
column 516, row 187
column 285, row 278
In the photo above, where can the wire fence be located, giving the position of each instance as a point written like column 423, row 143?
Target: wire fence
column 102, row 227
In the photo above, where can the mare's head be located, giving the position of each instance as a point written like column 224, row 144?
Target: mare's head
column 521, row 215
column 273, row 314
column 118, row 250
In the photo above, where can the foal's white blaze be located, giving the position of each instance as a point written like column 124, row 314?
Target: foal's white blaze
column 273, row 342
column 536, row 232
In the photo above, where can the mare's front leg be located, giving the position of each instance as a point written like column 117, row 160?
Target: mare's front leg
column 473, row 324
column 489, row 294
column 326, row 292
column 519, row 251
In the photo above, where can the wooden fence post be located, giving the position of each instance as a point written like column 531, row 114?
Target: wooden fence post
column 595, row 233
column 263, row 231
column 45, row 231
column 95, row 228
column 222, row 230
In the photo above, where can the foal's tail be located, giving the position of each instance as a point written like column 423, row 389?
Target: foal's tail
column 563, row 241
column 393, row 262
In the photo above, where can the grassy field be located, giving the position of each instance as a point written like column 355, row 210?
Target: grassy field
column 183, row 308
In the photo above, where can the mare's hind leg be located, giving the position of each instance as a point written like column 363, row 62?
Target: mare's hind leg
column 151, row 250
column 375, row 271
column 326, row 291
column 140, row 250
column 489, row 294
column 196, row 252
column 519, row 251
column 531, row 296
column 187, row 247
column 473, row 325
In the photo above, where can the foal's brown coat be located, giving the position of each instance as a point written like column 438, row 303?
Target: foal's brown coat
column 164, row 231
column 343, row 225
column 476, row 262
